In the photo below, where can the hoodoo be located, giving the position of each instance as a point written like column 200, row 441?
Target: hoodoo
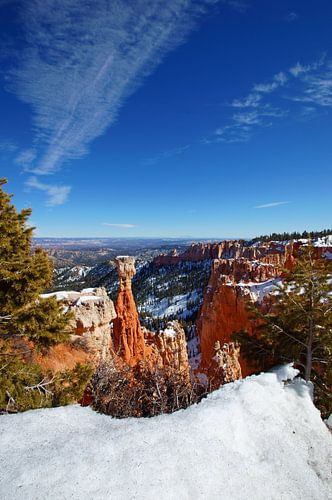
column 134, row 343
column 128, row 338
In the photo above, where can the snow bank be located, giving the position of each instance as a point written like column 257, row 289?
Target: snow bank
column 253, row 439
column 258, row 291
column 60, row 295
column 87, row 298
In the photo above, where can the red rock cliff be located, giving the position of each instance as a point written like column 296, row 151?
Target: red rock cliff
column 224, row 311
column 269, row 252
column 128, row 338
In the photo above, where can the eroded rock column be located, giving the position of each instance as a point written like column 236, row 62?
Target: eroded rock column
column 128, row 338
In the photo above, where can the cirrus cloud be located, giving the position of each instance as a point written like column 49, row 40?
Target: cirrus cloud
column 81, row 61
column 272, row 204
column 57, row 195
column 125, row 226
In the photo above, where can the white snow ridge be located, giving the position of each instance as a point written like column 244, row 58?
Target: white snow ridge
column 255, row 439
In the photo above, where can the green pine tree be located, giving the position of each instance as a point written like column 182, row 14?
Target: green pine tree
column 24, row 274
column 298, row 326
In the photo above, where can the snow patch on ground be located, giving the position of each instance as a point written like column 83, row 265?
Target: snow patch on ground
column 256, row 438
column 88, row 290
column 170, row 306
column 169, row 332
column 87, row 298
column 325, row 241
column 60, row 295
column 258, row 291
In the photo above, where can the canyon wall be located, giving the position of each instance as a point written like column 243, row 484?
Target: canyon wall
column 232, row 283
column 235, row 281
column 227, row 249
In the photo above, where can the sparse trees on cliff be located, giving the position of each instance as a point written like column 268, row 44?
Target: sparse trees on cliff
column 298, row 326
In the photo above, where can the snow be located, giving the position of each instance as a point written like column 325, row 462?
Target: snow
column 258, row 291
column 170, row 306
column 87, row 298
column 71, row 295
column 325, row 241
column 257, row 438
column 169, row 332
column 329, row 422
column 88, row 290
column 285, row 372
column 59, row 295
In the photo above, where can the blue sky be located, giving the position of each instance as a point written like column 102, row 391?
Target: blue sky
column 181, row 118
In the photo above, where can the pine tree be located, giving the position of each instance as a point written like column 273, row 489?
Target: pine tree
column 24, row 274
column 298, row 327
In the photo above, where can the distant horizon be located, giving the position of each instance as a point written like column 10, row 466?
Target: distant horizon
column 171, row 238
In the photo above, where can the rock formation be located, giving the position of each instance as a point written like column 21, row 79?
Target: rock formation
column 169, row 348
column 224, row 311
column 225, row 366
column 128, row 338
column 92, row 312
column 133, row 343
column 270, row 252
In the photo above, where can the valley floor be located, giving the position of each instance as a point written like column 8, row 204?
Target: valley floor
column 253, row 439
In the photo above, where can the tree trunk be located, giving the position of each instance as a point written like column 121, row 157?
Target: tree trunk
column 308, row 365
column 310, row 340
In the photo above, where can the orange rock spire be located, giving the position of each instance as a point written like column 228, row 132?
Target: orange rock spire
column 128, row 338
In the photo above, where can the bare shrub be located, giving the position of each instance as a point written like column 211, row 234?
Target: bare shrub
column 142, row 391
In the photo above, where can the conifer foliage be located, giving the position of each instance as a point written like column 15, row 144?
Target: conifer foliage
column 29, row 323
column 24, row 275
column 298, row 326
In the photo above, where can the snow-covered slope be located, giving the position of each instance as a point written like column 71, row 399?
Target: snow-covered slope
column 252, row 439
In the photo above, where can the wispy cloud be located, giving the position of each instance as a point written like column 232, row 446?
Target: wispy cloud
column 278, row 81
column 291, row 17
column 307, row 84
column 152, row 160
column 242, row 124
column 125, row 226
column 273, row 204
column 317, row 88
column 8, row 146
column 25, row 158
column 253, row 100
column 82, row 60
column 57, row 195
column 237, row 5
